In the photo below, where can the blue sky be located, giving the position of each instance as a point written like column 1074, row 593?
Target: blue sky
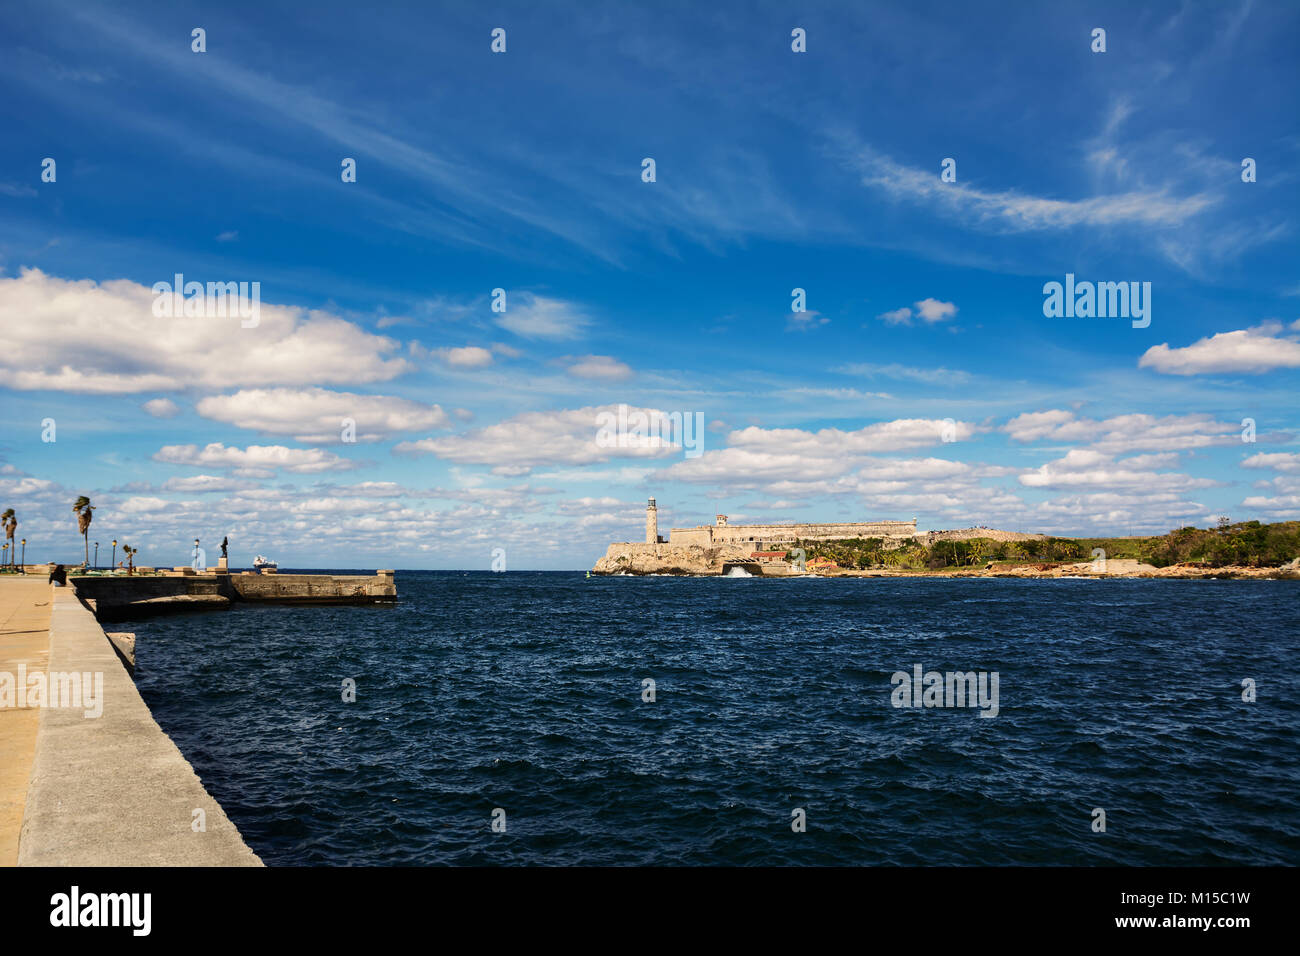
column 522, row 171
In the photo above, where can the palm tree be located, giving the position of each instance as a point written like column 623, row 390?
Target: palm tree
column 83, row 510
column 10, row 523
column 130, row 558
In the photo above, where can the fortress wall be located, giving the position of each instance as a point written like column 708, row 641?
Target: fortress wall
column 894, row 533
column 700, row 537
column 815, row 532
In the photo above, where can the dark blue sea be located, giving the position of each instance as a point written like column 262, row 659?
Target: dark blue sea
column 523, row 691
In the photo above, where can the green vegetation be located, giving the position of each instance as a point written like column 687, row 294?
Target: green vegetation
column 1248, row 543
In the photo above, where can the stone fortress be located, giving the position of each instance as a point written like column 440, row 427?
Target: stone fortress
column 759, row 548
column 763, row 537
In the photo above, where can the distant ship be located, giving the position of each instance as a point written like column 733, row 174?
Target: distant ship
column 264, row 563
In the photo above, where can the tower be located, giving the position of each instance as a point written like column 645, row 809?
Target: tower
column 651, row 523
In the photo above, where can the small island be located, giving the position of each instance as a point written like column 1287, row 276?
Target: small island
column 1248, row 549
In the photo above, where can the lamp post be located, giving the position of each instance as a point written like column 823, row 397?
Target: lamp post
column 112, row 564
column 4, row 554
column 24, row 555
column 96, row 555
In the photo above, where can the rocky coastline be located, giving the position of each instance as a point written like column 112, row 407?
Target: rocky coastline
column 697, row 561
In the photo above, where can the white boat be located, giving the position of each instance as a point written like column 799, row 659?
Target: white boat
column 263, row 563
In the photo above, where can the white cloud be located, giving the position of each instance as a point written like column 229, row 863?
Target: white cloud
column 162, row 408
column 258, row 461
column 803, row 321
column 565, row 437
column 932, row 310
column 928, row 311
column 1083, row 467
column 601, row 368
column 202, row 483
column 368, row 489
column 1252, row 351
column 539, row 317
column 1280, row 507
column 1123, row 432
column 755, row 455
column 83, row 336
column 25, row 487
column 471, row 356
column 142, row 505
column 1288, row 462
column 317, row 414
column 897, row 435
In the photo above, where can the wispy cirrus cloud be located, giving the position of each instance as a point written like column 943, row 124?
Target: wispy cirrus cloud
column 1012, row 211
column 533, row 316
column 894, row 370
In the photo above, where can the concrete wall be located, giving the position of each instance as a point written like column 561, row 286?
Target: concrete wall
column 114, row 790
column 120, row 596
column 314, row 588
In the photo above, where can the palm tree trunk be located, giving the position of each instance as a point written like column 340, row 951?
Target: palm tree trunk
column 85, row 536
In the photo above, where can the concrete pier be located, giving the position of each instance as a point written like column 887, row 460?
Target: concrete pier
column 106, row 790
column 121, row 596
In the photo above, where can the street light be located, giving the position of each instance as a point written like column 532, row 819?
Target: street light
column 96, row 555
column 24, row 555
column 112, row 564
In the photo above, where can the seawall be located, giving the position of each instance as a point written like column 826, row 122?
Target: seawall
column 118, row 596
column 114, row 790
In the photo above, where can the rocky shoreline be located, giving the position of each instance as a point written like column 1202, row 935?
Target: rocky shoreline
column 698, row 561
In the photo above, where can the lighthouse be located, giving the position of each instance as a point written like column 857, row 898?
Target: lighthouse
column 651, row 523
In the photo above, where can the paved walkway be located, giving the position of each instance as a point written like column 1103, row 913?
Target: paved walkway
column 24, row 639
